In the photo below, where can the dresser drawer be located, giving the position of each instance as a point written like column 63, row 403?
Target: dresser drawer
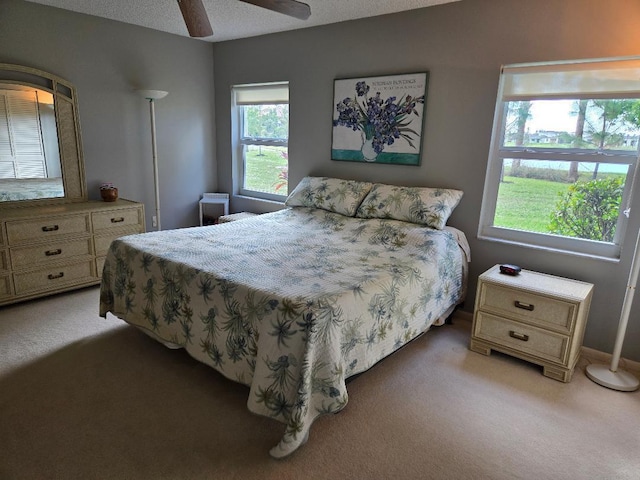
column 102, row 242
column 23, row 257
column 4, row 260
column 116, row 219
column 100, row 265
column 51, row 248
column 54, row 277
column 5, row 286
column 531, row 308
column 22, row 231
column 540, row 343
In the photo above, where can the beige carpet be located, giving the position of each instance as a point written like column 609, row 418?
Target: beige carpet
column 86, row 398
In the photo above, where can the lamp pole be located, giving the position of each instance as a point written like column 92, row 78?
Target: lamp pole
column 153, row 95
column 154, row 153
column 612, row 377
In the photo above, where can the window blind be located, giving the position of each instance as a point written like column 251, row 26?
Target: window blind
column 261, row 94
column 602, row 78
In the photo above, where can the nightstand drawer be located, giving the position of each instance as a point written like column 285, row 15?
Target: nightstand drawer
column 116, row 219
column 24, row 257
column 45, row 228
column 523, row 338
column 529, row 307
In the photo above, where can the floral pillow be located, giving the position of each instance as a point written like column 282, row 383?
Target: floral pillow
column 332, row 194
column 424, row 206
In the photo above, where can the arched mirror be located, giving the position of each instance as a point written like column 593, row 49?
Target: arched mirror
column 40, row 147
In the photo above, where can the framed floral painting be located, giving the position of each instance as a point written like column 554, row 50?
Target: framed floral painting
column 379, row 119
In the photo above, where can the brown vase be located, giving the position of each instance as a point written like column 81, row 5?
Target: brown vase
column 109, row 194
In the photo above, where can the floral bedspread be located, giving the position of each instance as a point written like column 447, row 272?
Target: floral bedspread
column 289, row 303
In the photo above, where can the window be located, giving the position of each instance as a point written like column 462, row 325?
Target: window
column 260, row 116
column 563, row 155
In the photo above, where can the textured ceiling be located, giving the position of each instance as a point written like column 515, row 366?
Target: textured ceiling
column 232, row 19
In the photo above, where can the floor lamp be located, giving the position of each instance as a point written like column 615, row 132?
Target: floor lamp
column 153, row 95
column 612, row 377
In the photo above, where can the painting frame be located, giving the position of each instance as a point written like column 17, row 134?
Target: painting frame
column 379, row 119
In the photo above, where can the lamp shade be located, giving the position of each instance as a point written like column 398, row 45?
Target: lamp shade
column 152, row 94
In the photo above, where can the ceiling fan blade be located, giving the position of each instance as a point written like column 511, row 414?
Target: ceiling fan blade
column 195, row 17
column 292, row 8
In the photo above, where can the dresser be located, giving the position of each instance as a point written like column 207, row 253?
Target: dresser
column 51, row 249
column 533, row 316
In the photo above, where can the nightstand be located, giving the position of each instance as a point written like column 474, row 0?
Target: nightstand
column 220, row 200
column 533, row 316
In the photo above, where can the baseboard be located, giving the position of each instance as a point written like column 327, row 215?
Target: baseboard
column 590, row 354
column 596, row 356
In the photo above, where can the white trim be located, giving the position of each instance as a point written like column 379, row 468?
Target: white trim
column 604, row 257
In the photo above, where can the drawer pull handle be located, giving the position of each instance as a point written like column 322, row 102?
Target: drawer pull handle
column 518, row 336
column 51, row 276
column 51, row 253
column 50, row 229
column 117, row 220
column 524, row 306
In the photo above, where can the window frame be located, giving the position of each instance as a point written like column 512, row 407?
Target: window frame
column 498, row 153
column 271, row 93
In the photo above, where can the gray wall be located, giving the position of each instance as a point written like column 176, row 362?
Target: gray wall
column 107, row 61
column 462, row 45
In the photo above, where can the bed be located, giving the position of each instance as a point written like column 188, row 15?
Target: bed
column 292, row 303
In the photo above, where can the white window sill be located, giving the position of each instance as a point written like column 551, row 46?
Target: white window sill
column 549, row 249
column 256, row 205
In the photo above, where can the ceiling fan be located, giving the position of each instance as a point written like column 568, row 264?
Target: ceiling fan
column 197, row 21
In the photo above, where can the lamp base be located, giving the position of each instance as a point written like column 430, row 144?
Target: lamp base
column 618, row 380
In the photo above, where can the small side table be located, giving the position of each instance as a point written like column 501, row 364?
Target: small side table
column 221, row 199
column 533, row 316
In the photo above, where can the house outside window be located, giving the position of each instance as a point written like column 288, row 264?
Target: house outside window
column 563, row 156
column 260, row 120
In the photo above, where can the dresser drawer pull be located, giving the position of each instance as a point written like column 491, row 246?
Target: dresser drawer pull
column 518, row 336
column 51, row 253
column 524, row 306
column 51, row 276
column 117, row 220
column 50, row 229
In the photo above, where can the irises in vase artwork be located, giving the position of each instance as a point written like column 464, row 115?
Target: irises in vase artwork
column 379, row 119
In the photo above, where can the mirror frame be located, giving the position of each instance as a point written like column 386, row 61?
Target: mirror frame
column 68, row 129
